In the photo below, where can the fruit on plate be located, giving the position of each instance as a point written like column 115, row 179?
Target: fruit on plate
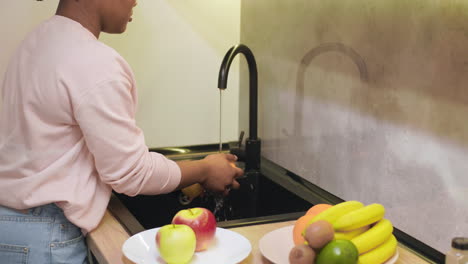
column 302, row 222
column 319, row 233
column 176, row 243
column 371, row 233
column 346, row 233
column 336, row 211
column 338, row 252
column 301, row 254
column 381, row 253
column 318, row 208
column 299, row 226
column 360, row 217
column 203, row 223
column 351, row 234
column 373, row 237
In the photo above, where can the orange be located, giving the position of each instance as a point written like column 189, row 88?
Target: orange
column 299, row 226
column 318, row 208
column 301, row 223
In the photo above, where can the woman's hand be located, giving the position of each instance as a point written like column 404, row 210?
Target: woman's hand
column 221, row 173
column 216, row 173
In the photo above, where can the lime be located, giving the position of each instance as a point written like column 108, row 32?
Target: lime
column 338, row 252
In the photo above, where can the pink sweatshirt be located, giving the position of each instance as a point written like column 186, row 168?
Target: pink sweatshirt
column 67, row 128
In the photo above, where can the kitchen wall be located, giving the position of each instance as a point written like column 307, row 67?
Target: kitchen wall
column 175, row 49
column 368, row 99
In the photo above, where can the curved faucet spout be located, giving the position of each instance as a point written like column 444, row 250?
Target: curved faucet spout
column 252, row 149
column 253, row 90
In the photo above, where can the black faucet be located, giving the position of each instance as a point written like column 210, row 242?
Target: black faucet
column 252, row 148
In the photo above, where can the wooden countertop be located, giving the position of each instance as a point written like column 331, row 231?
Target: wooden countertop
column 107, row 239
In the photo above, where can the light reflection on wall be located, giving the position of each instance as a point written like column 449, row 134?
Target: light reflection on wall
column 401, row 138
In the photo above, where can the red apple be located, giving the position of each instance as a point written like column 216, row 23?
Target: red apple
column 203, row 223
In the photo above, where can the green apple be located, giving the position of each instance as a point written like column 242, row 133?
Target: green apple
column 176, row 243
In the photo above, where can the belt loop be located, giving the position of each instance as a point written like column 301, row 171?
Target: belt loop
column 37, row 210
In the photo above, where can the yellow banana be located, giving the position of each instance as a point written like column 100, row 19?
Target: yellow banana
column 350, row 234
column 359, row 218
column 335, row 212
column 373, row 237
column 381, row 253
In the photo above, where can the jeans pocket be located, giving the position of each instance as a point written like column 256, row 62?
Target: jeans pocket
column 73, row 251
column 13, row 254
column 69, row 231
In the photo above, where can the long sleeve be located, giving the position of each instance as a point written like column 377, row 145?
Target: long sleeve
column 106, row 116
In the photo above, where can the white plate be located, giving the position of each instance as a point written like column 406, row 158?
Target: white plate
column 228, row 248
column 276, row 245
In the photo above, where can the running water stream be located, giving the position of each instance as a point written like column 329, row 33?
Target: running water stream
column 219, row 200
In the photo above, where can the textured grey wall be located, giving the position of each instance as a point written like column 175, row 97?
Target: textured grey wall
column 369, row 100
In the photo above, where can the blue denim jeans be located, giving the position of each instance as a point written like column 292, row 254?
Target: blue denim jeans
column 39, row 236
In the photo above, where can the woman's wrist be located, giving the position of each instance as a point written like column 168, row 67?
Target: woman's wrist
column 193, row 171
column 204, row 169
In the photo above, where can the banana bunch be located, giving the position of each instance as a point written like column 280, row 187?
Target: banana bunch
column 365, row 226
column 333, row 213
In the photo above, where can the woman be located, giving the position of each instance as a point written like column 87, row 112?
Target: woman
column 68, row 137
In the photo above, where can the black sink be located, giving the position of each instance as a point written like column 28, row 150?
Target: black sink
column 258, row 196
